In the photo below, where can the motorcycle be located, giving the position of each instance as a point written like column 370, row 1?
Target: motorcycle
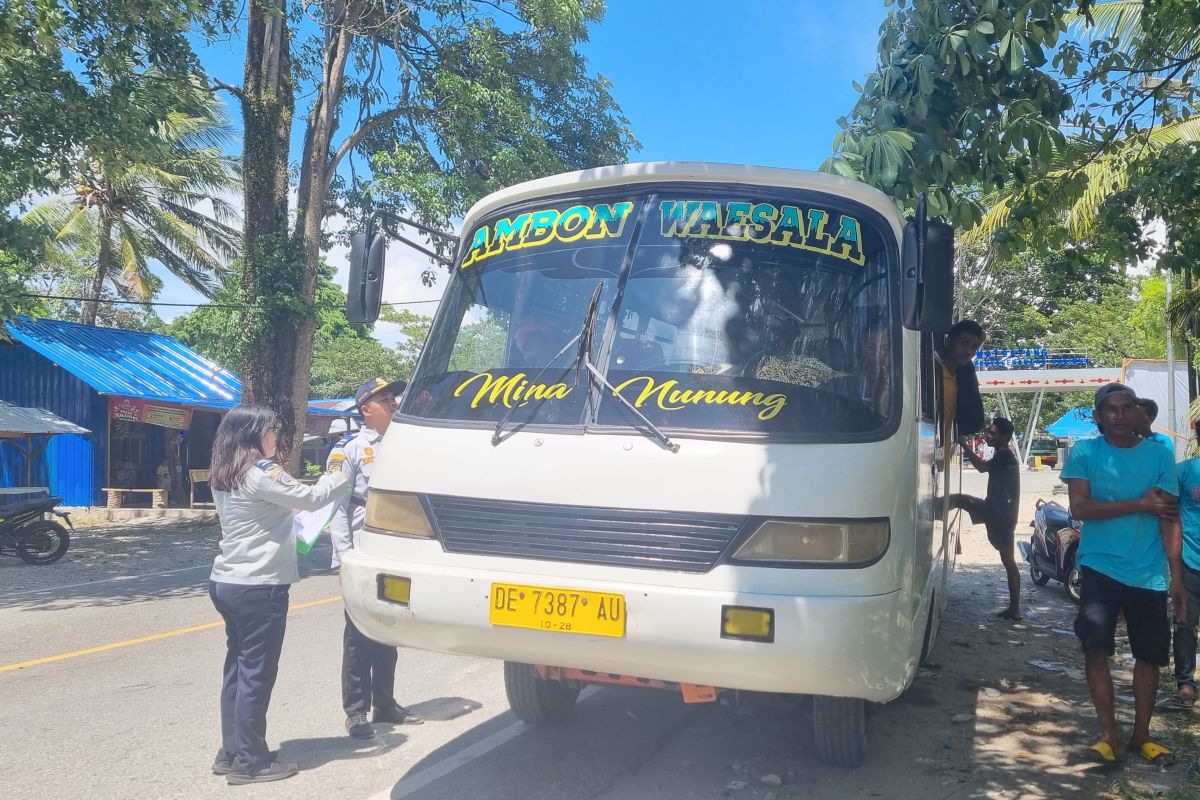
column 1051, row 549
column 25, row 533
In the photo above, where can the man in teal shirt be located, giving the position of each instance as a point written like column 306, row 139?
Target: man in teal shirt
column 1145, row 428
column 1124, row 489
column 1185, row 633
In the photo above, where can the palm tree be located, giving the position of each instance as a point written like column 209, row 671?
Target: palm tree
column 1109, row 172
column 166, row 200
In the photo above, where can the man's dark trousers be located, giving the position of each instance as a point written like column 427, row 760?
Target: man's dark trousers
column 1184, row 640
column 255, row 619
column 368, row 672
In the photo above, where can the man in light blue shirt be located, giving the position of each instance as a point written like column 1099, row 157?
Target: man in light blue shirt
column 1185, row 633
column 1124, row 489
column 1146, row 428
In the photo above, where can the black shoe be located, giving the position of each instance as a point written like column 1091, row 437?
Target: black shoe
column 275, row 771
column 223, row 763
column 358, row 727
column 396, row 714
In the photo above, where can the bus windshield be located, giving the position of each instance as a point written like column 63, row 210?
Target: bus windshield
column 765, row 312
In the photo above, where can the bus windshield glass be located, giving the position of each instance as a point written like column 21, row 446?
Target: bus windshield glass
column 766, row 312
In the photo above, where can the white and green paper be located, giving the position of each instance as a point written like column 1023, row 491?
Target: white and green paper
column 309, row 525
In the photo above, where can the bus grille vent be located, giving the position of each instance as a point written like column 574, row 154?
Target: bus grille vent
column 670, row 540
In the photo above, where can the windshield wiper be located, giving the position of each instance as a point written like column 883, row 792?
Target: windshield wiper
column 586, row 336
column 497, row 434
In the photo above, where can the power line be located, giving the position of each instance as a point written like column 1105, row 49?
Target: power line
column 188, row 305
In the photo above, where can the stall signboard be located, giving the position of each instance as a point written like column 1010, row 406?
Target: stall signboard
column 1030, row 358
column 164, row 415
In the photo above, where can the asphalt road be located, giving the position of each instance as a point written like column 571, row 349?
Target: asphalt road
column 109, row 690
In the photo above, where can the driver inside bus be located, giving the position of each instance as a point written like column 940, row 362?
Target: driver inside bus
column 537, row 339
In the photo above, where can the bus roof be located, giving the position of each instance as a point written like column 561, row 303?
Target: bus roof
column 683, row 171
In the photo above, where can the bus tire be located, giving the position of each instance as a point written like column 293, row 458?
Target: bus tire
column 840, row 730
column 536, row 700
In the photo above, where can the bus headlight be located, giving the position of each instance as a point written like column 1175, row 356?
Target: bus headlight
column 816, row 542
column 397, row 513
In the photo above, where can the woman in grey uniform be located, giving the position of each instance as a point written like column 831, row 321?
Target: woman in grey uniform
column 250, row 579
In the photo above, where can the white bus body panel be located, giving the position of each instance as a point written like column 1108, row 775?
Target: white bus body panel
column 850, row 632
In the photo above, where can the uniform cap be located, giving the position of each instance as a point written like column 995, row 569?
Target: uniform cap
column 373, row 387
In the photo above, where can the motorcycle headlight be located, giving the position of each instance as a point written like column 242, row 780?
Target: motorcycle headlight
column 842, row 543
column 397, row 513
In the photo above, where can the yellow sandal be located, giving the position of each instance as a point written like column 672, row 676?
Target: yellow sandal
column 1157, row 754
column 1102, row 752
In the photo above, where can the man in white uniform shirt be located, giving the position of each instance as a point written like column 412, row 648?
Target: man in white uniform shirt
column 368, row 667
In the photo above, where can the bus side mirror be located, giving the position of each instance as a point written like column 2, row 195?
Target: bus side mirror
column 928, row 285
column 364, row 289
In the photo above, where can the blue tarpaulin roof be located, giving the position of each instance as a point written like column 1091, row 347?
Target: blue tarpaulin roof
column 1075, row 424
column 147, row 366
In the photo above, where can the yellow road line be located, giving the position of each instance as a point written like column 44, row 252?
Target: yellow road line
column 151, row 638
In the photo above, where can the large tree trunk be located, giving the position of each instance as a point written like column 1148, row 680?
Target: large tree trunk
column 104, row 257
column 272, row 272
column 316, row 171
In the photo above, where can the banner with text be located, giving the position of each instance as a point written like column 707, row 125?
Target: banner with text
column 128, row 409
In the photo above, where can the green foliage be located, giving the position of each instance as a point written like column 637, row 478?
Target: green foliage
column 130, row 206
column 70, row 72
column 344, row 355
column 414, row 328
column 970, row 101
column 958, row 101
column 524, row 106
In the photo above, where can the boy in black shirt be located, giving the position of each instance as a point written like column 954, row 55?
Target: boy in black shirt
column 998, row 511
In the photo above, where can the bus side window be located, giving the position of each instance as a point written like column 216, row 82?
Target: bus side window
column 928, row 374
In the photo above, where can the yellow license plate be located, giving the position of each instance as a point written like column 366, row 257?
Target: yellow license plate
column 558, row 610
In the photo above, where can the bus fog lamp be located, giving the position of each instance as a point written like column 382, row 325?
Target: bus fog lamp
column 752, row 624
column 394, row 589
column 397, row 513
column 816, row 542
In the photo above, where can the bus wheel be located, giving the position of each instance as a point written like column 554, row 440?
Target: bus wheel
column 840, row 730
column 537, row 700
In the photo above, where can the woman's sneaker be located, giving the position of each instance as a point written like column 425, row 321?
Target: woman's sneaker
column 275, row 771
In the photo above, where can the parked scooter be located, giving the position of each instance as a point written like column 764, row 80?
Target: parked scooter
column 1051, row 549
column 26, row 534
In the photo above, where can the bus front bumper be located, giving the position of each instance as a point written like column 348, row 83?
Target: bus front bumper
column 835, row 646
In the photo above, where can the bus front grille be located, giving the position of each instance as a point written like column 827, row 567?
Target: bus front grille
column 670, row 540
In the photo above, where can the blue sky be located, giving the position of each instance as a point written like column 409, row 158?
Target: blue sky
column 701, row 80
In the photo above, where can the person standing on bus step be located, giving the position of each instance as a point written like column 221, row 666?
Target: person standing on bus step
column 1145, row 428
column 1185, row 632
column 1123, row 488
column 957, row 389
column 368, row 667
column 998, row 511
column 251, row 576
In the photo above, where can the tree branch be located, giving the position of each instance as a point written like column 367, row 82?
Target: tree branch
column 369, row 124
column 233, row 90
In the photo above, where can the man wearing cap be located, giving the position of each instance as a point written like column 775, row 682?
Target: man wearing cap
column 1145, row 427
column 1124, row 488
column 368, row 667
